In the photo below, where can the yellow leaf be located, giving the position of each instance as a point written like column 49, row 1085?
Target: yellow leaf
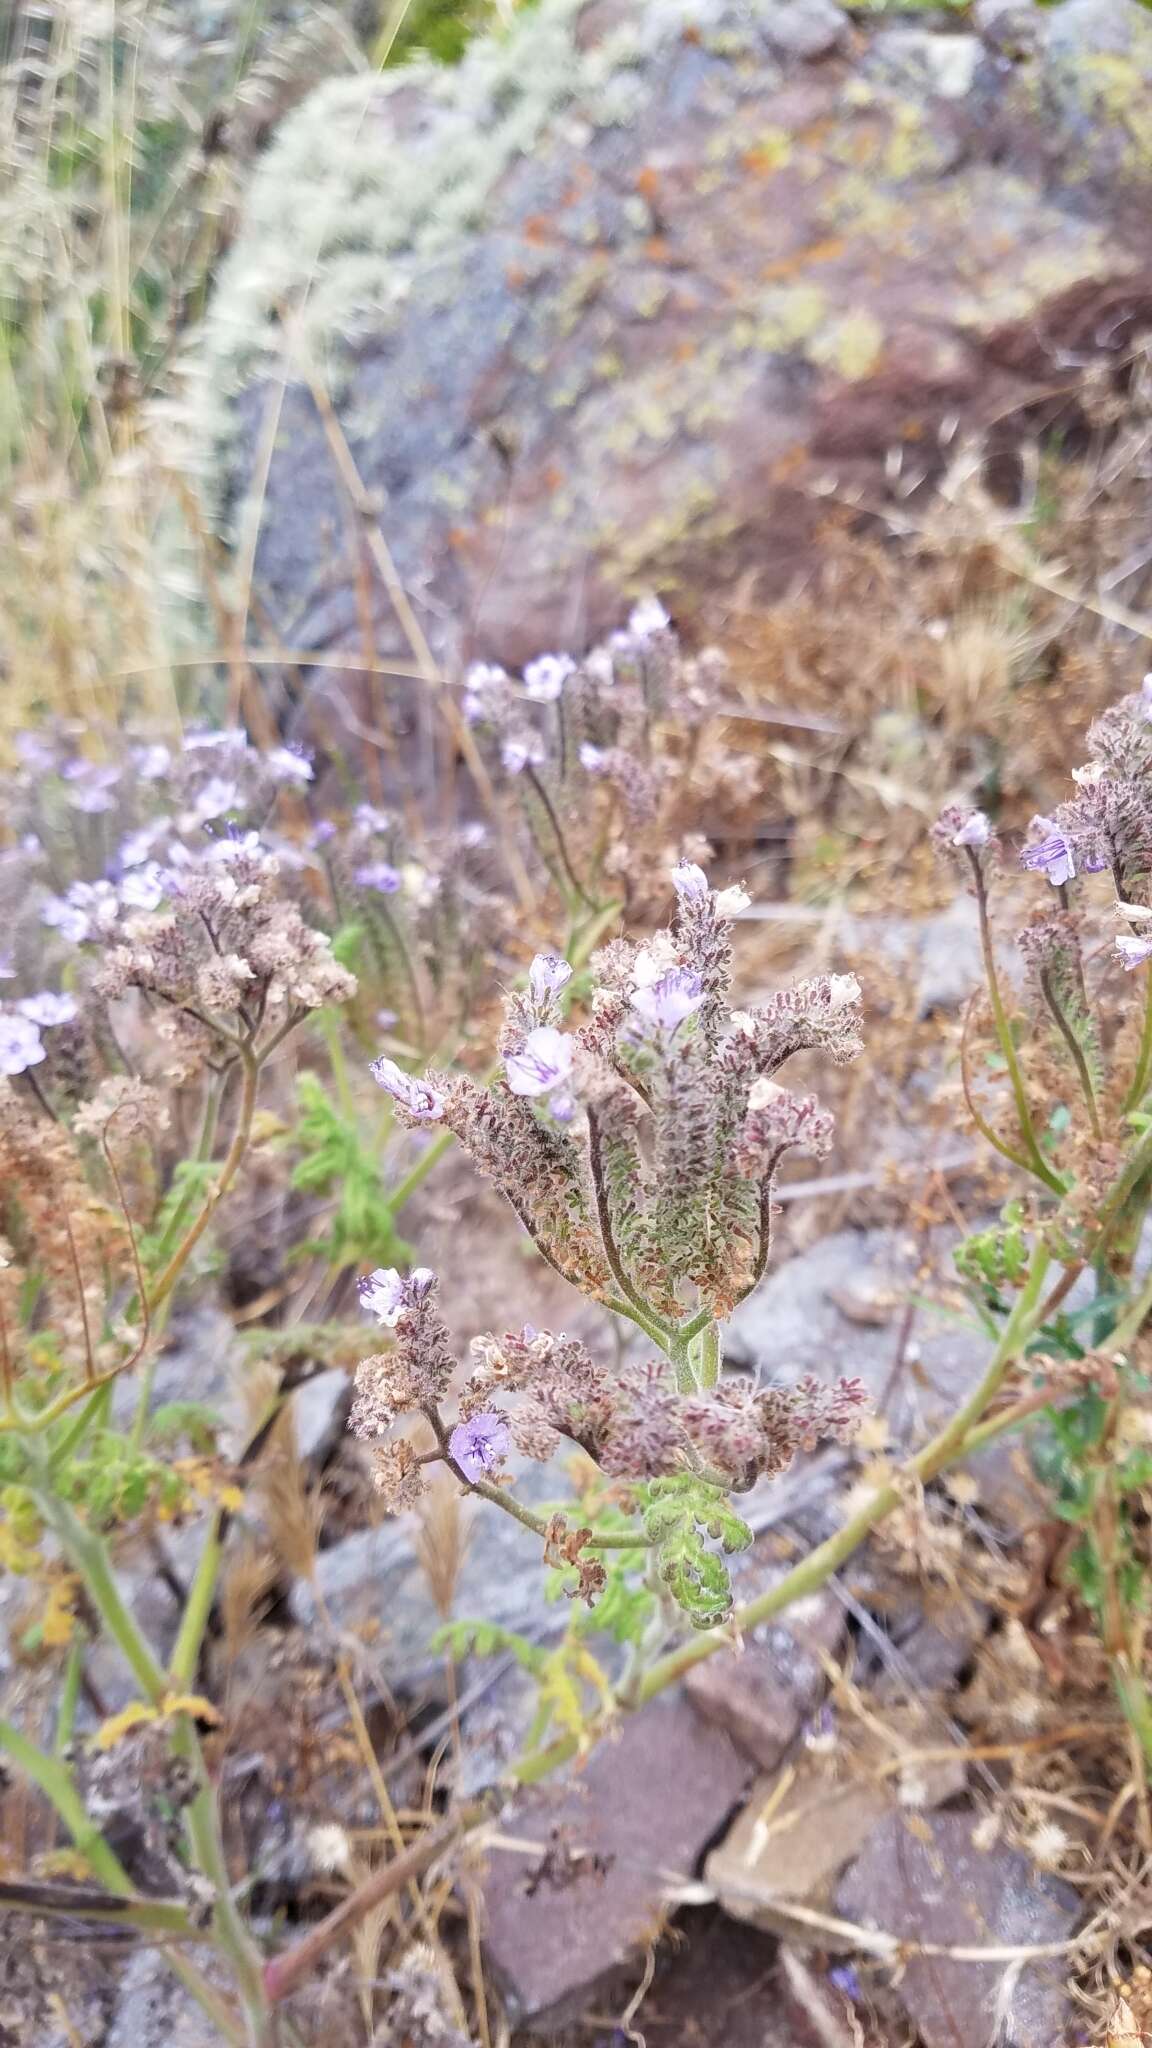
column 190, row 1703
column 58, row 1619
column 135, row 1715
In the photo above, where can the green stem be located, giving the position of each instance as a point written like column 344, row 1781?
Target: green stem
column 197, row 1608
column 1076, row 1051
column 228, row 1171
column 54, row 1781
column 710, row 1355
column 1136, row 1092
column 814, row 1570
column 1039, row 1164
column 203, row 1826
column 70, row 1694
column 87, row 1553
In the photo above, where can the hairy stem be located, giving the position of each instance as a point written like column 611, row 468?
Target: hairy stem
column 1038, row 1163
column 1075, row 1049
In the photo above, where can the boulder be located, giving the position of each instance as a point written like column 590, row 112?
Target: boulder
column 620, row 300
column 580, row 1880
column 928, row 1881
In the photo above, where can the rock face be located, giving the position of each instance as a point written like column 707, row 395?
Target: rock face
column 933, row 1885
column 613, row 303
column 563, row 1919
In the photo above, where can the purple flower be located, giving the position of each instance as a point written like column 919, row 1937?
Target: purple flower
column 480, row 1446
column 647, row 618
column 844, row 1978
column 669, row 999
column 1053, row 857
column 388, row 1295
column 21, row 1045
column 323, row 831
column 48, row 1009
column 548, row 974
column 544, row 679
column 378, row 875
column 1133, row 951
column 543, row 1062
column 690, row 882
column 423, row 1103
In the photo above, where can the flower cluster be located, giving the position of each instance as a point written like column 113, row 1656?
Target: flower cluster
column 639, row 1148
column 223, row 948
column 587, row 740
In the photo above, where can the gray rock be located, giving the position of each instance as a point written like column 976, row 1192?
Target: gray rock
column 945, row 65
column 940, row 952
column 153, row 2009
column 930, row 1883
column 636, row 1819
column 319, row 1410
column 837, row 1309
column 806, row 28
column 374, row 1585
column 602, row 306
column 761, row 1693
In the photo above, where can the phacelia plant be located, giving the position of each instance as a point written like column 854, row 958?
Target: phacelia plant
column 639, row 1150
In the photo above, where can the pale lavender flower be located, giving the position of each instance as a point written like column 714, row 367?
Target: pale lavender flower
column 91, row 785
column 322, row 832
column 48, row 1009
column 975, row 830
column 151, row 762
column 388, row 1295
column 35, row 753
column 667, row 1001
column 544, row 678
column 648, row 618
column 21, row 1045
column 382, row 1294
column 370, row 818
column 217, row 796
column 89, row 910
column 287, row 764
column 137, row 848
column 65, row 918
column 543, row 1063
column 689, row 881
column 481, row 1445
column 521, row 753
column 423, row 1103
column 378, row 875
column 144, row 888
column 1133, row 951
column 592, row 758
column 548, row 974
column 1052, row 856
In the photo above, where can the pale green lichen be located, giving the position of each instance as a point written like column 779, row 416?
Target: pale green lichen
column 348, row 207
